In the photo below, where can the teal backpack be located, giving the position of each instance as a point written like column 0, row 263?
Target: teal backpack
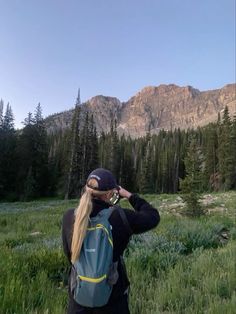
column 94, row 273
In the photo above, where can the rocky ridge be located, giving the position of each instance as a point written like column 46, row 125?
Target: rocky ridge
column 154, row 108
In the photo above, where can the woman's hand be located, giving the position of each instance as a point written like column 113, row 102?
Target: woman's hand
column 124, row 193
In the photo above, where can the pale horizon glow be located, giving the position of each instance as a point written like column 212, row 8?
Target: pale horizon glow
column 49, row 49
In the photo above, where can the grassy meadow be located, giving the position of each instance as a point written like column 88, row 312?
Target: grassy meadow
column 185, row 265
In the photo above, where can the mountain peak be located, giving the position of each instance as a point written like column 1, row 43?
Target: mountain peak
column 167, row 106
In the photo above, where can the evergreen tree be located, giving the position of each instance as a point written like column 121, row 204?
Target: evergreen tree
column 162, row 162
column 226, row 162
column 93, row 160
column 38, row 115
column 176, row 159
column 8, row 156
column 29, row 120
column 127, row 173
column 1, row 113
column 8, row 120
column 146, row 182
column 114, row 160
column 233, row 151
column 41, row 150
column 26, row 187
column 33, row 158
column 73, row 168
column 54, row 165
column 29, row 186
column 191, row 184
column 59, row 161
column 86, row 137
column 102, row 150
column 152, row 164
column 210, row 181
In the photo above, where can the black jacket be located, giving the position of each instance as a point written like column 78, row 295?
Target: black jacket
column 143, row 218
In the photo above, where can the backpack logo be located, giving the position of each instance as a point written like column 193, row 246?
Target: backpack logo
column 90, row 250
column 94, row 273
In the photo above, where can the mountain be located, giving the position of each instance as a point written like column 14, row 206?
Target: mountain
column 154, row 108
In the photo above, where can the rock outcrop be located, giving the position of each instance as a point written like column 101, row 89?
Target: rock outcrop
column 154, row 108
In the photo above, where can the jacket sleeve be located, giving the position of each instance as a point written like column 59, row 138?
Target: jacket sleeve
column 144, row 217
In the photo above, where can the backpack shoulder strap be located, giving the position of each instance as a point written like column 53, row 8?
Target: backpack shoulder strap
column 106, row 212
column 124, row 219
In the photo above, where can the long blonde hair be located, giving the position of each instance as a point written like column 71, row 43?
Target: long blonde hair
column 82, row 214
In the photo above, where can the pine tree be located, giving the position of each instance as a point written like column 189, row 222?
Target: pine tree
column 74, row 171
column 151, row 164
column 8, row 167
column 146, row 181
column 29, row 186
column 29, row 120
column 127, row 172
column 54, row 168
column 191, row 184
column 210, row 180
column 59, row 162
column 93, row 159
column 233, row 152
column 102, row 155
column 85, row 144
column 38, row 114
column 33, row 158
column 40, row 165
column 175, row 159
column 226, row 162
column 8, row 120
column 163, row 162
column 114, row 160
column 1, row 113
column 26, row 187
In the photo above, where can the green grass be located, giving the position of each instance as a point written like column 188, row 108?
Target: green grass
column 183, row 266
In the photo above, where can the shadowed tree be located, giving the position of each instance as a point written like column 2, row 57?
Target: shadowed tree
column 210, row 143
column 1, row 113
column 33, row 157
column 8, row 167
column 226, row 162
column 72, row 188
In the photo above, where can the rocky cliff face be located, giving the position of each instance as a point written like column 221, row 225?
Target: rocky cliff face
column 154, row 108
column 104, row 109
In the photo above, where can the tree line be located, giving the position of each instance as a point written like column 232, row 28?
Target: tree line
column 35, row 164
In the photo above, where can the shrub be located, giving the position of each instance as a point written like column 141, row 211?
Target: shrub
column 193, row 207
column 195, row 234
column 154, row 253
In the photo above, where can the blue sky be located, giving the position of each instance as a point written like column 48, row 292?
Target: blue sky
column 50, row 48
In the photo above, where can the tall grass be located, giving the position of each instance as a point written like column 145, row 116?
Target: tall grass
column 200, row 283
column 182, row 266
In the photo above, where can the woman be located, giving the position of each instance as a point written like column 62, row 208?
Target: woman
column 101, row 192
